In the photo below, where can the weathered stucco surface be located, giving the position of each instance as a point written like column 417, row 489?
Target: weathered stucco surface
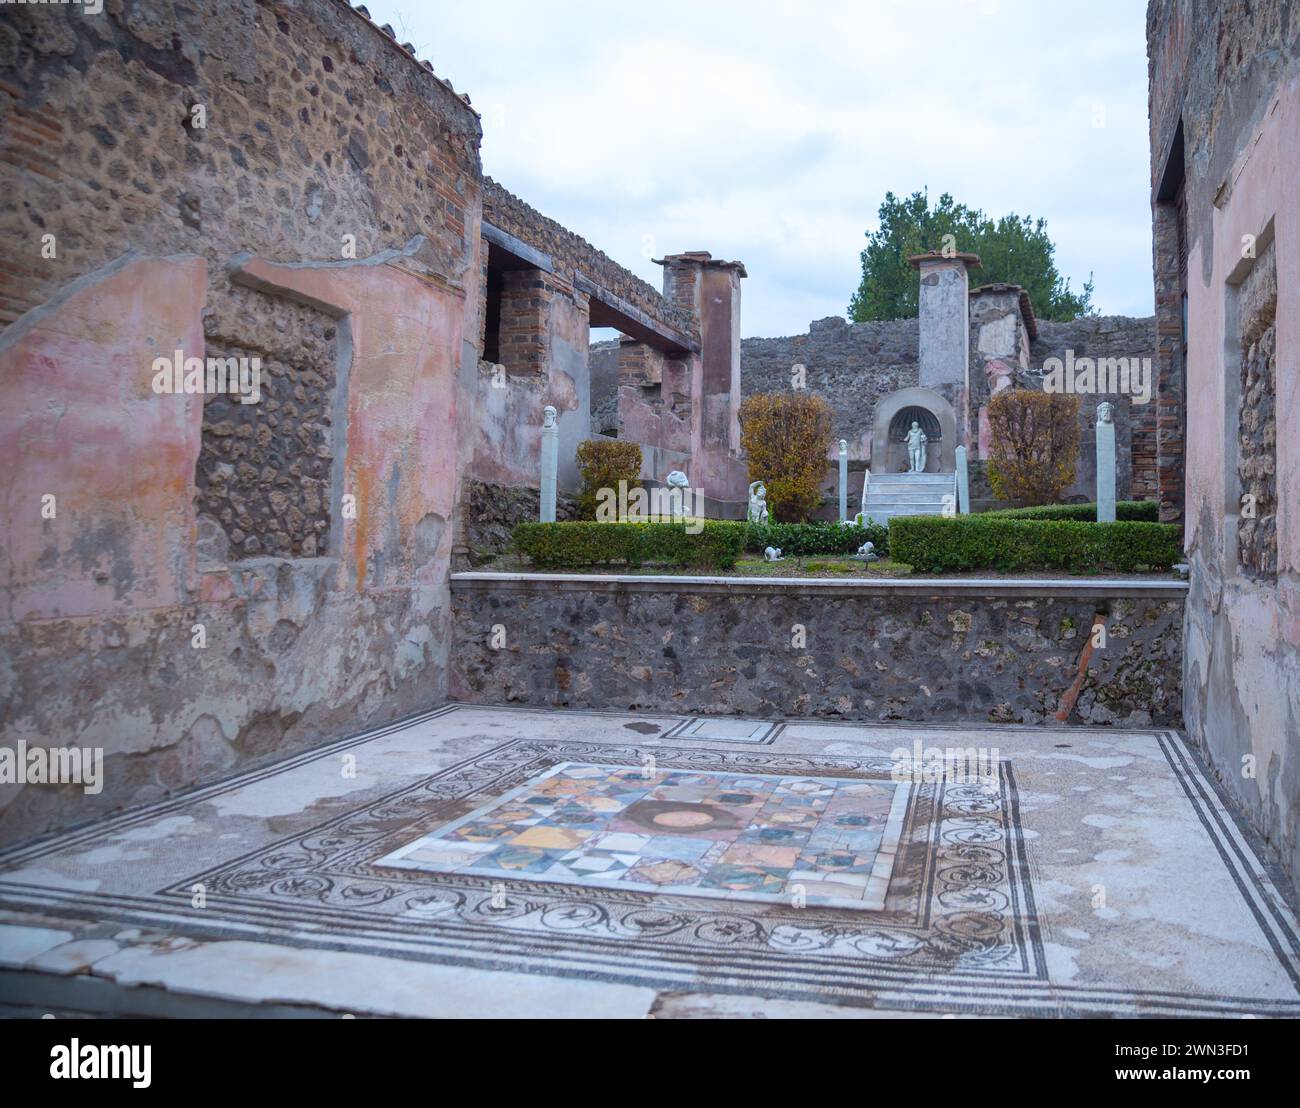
column 335, row 180
column 1239, row 106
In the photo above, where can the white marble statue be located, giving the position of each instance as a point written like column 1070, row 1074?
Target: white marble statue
column 678, row 480
column 772, row 553
column 868, row 550
column 916, row 440
column 757, row 502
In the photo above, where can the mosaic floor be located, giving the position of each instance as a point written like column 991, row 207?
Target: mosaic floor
column 754, row 837
column 494, row 861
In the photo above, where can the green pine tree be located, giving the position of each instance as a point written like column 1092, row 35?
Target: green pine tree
column 1015, row 249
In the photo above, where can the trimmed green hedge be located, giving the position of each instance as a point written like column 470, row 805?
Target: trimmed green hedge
column 1144, row 511
column 716, row 545
column 796, row 539
column 933, row 544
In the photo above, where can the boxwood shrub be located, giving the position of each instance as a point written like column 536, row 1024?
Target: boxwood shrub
column 716, row 545
column 1147, row 511
column 992, row 541
column 795, row 539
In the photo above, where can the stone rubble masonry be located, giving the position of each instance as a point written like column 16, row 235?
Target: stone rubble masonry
column 852, row 365
column 1099, row 337
column 319, row 126
column 602, row 363
column 263, row 475
column 888, row 654
column 1257, row 420
column 491, row 512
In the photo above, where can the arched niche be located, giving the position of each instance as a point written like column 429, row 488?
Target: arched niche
column 894, row 415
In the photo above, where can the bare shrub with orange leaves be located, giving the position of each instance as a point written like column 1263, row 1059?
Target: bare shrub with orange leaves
column 1035, row 445
column 786, row 437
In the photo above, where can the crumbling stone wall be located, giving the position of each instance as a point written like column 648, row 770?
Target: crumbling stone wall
column 1135, row 424
column 570, row 253
column 316, row 126
column 851, row 364
column 882, row 655
column 491, row 511
column 321, row 144
column 602, row 364
column 264, row 468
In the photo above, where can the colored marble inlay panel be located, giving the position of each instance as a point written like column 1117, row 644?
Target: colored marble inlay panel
column 825, row 841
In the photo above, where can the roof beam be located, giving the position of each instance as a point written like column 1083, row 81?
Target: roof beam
column 609, row 310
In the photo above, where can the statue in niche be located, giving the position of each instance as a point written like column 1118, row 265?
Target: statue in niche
column 757, row 502
column 916, row 440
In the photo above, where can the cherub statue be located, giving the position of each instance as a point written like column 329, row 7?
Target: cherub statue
column 757, row 502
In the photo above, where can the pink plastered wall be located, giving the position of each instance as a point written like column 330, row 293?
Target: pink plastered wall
column 83, row 425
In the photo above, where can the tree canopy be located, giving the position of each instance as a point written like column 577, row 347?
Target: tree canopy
column 1014, row 248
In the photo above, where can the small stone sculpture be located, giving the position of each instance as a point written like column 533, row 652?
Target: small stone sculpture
column 678, row 480
column 868, row 550
column 757, row 502
column 772, row 553
column 916, row 440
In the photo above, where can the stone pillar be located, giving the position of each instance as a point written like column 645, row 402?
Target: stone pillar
column 550, row 464
column 963, row 483
column 944, row 330
column 1105, row 462
column 844, row 480
column 710, row 289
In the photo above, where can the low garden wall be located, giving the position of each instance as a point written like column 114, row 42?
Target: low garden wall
column 999, row 650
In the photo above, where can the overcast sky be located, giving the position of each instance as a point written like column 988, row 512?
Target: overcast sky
column 769, row 131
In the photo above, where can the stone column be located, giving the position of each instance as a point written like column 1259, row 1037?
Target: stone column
column 844, row 480
column 944, row 330
column 550, row 464
column 709, row 288
column 1105, row 463
column 963, row 482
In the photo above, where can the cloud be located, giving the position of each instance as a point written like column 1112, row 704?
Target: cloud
column 770, row 131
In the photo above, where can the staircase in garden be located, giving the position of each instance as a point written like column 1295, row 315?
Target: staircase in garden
column 908, row 494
